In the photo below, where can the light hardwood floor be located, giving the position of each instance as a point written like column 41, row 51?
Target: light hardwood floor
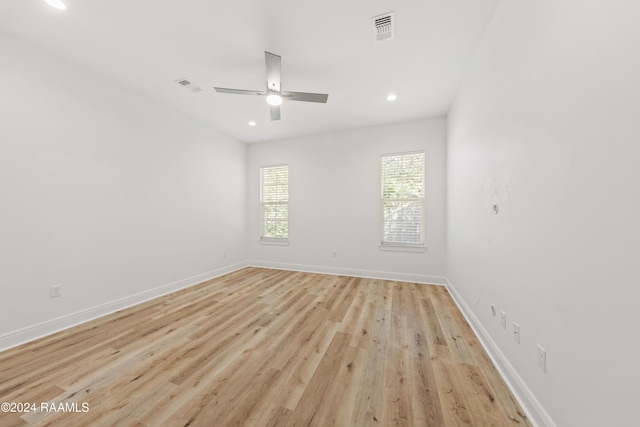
column 261, row 347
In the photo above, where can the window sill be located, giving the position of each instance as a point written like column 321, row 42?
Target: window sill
column 274, row 242
column 399, row 247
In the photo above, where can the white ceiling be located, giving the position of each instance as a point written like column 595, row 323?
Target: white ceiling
column 326, row 47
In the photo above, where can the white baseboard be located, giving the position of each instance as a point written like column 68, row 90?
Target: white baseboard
column 39, row 330
column 384, row 275
column 534, row 410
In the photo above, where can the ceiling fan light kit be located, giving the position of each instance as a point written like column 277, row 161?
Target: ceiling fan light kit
column 274, row 99
column 274, row 93
column 56, row 3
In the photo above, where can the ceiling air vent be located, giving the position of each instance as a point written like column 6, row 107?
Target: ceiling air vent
column 188, row 85
column 384, row 26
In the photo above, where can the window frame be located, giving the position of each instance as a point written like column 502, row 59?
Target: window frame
column 404, row 246
column 272, row 240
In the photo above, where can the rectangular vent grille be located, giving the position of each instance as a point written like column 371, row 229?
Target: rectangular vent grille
column 384, row 26
column 188, row 85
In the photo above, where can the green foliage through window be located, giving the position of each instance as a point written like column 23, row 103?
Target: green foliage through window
column 274, row 200
column 403, row 198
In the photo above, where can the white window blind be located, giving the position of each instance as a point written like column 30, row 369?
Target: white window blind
column 403, row 198
column 274, row 202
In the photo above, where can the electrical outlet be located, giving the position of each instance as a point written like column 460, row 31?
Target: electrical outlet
column 55, row 291
column 503, row 319
column 516, row 332
column 542, row 358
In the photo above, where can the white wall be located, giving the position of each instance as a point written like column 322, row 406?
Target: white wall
column 548, row 125
column 105, row 192
column 334, row 191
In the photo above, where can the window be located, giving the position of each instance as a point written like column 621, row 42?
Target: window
column 274, row 202
column 403, row 203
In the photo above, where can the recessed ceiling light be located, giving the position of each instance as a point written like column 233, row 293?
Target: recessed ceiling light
column 252, row 123
column 56, row 3
column 392, row 97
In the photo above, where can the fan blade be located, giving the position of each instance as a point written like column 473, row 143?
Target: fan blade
column 273, row 71
column 239, row 91
column 307, row 97
column 274, row 111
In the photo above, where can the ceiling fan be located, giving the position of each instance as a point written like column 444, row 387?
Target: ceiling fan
column 274, row 93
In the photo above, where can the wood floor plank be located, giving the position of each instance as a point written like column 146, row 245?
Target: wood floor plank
column 446, row 313
column 426, row 407
column 452, row 395
column 263, row 347
column 480, row 398
column 361, row 336
column 319, row 389
column 434, row 333
column 349, row 323
column 344, row 300
column 398, row 402
column 370, row 398
column 302, row 363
